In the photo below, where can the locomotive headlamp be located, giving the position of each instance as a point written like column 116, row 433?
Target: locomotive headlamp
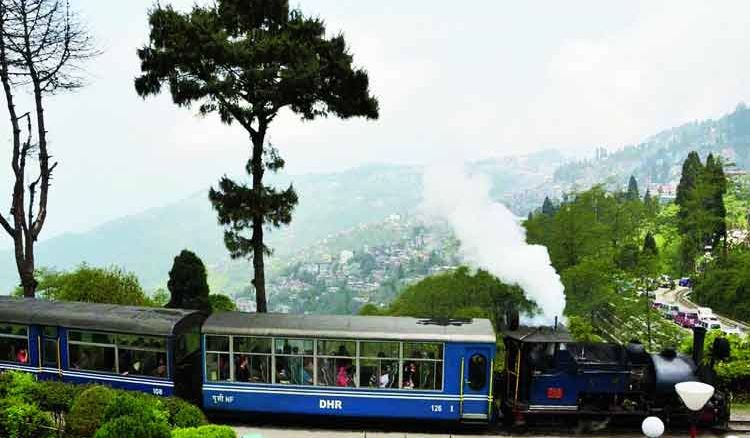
column 652, row 427
column 695, row 395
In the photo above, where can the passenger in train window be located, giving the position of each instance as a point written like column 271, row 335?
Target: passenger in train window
column 410, row 374
column 307, row 371
column 242, row 369
column 22, row 356
column 161, row 368
column 324, row 372
column 343, row 377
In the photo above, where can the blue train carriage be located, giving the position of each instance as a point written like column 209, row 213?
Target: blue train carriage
column 358, row 366
column 136, row 348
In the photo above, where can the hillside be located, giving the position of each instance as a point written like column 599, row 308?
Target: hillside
column 146, row 243
column 658, row 159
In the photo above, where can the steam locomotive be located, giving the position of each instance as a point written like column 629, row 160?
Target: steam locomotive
column 354, row 366
column 548, row 374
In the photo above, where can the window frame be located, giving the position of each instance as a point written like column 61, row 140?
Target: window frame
column 14, row 336
column 356, row 359
column 117, row 347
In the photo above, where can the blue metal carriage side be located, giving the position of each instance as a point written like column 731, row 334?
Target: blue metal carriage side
column 358, row 366
column 135, row 348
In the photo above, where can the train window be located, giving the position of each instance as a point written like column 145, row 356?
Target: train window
column 91, row 337
column 294, row 361
column 379, row 349
column 217, row 343
column 14, row 343
column 142, row 355
column 152, row 342
column 142, row 362
column 422, row 350
column 294, row 346
column 92, row 357
column 217, row 358
column 252, row 345
column 336, row 364
column 217, row 366
column 378, row 364
column 423, row 366
column 477, row 372
column 252, row 359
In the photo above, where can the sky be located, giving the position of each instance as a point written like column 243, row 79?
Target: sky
column 458, row 80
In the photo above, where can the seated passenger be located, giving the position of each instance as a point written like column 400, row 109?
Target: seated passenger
column 242, row 372
column 324, row 373
column 410, row 374
column 22, row 355
column 283, row 376
column 307, row 372
column 161, row 369
column 342, row 378
column 385, row 377
column 134, row 368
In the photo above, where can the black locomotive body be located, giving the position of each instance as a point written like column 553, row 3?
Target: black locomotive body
column 547, row 374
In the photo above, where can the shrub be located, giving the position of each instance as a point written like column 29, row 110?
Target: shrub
column 182, row 414
column 135, row 404
column 133, row 427
column 56, row 397
column 87, row 412
column 211, row 431
column 18, row 385
column 19, row 419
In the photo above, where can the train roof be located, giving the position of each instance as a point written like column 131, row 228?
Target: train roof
column 93, row 316
column 350, row 327
column 540, row 334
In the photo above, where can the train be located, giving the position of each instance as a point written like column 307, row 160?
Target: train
column 350, row 366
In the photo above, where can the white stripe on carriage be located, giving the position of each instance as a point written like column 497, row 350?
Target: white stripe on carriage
column 262, row 390
column 19, row 367
column 297, row 389
column 117, row 378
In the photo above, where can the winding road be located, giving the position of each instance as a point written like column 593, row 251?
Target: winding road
column 679, row 297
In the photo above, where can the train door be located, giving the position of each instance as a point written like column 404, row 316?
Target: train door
column 476, row 369
column 50, row 349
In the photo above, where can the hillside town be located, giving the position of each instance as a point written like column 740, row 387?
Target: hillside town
column 367, row 264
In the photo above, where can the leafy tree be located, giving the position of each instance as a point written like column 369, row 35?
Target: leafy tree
column 461, row 294
column 547, row 207
column 632, row 193
column 691, row 170
column 246, row 60
column 649, row 244
column 221, row 303
column 42, row 45
column 187, row 283
column 93, row 285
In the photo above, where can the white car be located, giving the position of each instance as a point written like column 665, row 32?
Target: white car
column 731, row 330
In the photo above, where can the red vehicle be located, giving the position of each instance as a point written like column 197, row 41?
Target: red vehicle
column 679, row 318
column 690, row 319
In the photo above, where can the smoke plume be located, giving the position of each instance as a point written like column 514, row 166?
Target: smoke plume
column 492, row 237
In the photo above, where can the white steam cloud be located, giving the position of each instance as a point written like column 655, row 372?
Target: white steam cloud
column 492, row 238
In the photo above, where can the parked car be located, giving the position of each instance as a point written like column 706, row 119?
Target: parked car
column 685, row 282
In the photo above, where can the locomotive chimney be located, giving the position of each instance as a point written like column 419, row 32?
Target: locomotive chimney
column 699, row 337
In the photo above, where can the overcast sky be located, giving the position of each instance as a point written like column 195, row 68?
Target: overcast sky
column 470, row 80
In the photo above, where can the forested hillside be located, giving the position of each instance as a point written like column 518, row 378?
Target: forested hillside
column 658, row 158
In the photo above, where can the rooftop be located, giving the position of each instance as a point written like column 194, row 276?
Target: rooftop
column 350, row 327
column 92, row 316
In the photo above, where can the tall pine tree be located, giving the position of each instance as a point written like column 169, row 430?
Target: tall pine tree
column 632, row 193
column 246, row 60
column 548, row 208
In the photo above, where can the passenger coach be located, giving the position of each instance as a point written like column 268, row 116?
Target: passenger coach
column 138, row 348
column 361, row 366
